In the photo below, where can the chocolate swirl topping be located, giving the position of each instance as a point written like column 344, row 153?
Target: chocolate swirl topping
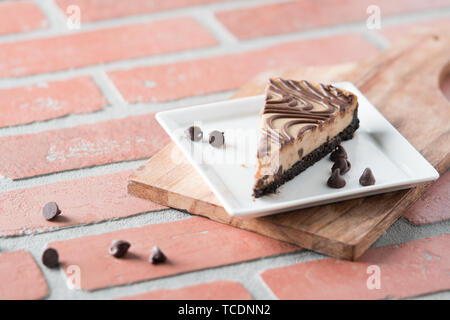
column 301, row 102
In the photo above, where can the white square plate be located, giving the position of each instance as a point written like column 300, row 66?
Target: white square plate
column 229, row 171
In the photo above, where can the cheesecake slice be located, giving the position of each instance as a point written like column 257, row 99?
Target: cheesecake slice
column 301, row 122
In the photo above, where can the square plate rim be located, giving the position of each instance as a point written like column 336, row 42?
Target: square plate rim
column 163, row 118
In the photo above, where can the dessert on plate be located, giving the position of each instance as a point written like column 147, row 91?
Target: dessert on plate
column 301, row 122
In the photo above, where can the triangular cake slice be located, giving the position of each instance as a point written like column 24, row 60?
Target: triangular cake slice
column 300, row 124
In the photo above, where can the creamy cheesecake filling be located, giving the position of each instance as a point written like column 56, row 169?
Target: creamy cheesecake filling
column 298, row 118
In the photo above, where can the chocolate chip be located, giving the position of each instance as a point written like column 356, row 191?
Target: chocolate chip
column 336, row 181
column 342, row 164
column 367, row 178
column 50, row 211
column 216, row 139
column 339, row 152
column 119, row 248
column 300, row 153
column 156, row 256
column 50, row 258
column 194, row 133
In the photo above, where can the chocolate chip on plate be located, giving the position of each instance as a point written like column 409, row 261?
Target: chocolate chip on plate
column 339, row 152
column 367, row 178
column 216, row 139
column 336, row 181
column 50, row 211
column 194, row 133
column 119, row 248
column 342, row 164
column 157, row 256
column 50, row 258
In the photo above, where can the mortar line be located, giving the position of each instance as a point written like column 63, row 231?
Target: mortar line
column 376, row 39
column 209, row 21
column 419, row 16
column 54, row 15
column 108, row 89
column 7, row 184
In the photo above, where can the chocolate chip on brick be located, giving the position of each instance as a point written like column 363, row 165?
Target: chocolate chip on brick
column 157, row 256
column 50, row 258
column 50, row 211
column 119, row 248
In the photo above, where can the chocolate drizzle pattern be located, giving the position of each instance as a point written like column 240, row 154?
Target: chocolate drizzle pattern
column 299, row 101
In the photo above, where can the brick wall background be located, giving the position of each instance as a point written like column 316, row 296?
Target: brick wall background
column 76, row 115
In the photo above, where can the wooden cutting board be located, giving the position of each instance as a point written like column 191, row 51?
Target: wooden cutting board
column 402, row 82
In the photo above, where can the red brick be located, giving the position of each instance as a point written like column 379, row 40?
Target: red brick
column 83, row 146
column 49, row 100
column 300, row 15
column 406, row 270
column 190, row 244
column 20, row 277
column 177, row 80
column 20, row 16
column 107, row 9
column 101, row 46
column 217, row 290
column 397, row 32
column 434, row 205
column 82, row 201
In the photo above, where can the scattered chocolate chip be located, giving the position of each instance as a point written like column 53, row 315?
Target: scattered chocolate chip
column 216, row 139
column 157, row 256
column 342, row 164
column 339, row 152
column 194, row 133
column 119, row 248
column 50, row 258
column 367, row 178
column 336, row 181
column 300, row 153
column 50, row 211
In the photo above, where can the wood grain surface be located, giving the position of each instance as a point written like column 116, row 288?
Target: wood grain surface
column 402, row 82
